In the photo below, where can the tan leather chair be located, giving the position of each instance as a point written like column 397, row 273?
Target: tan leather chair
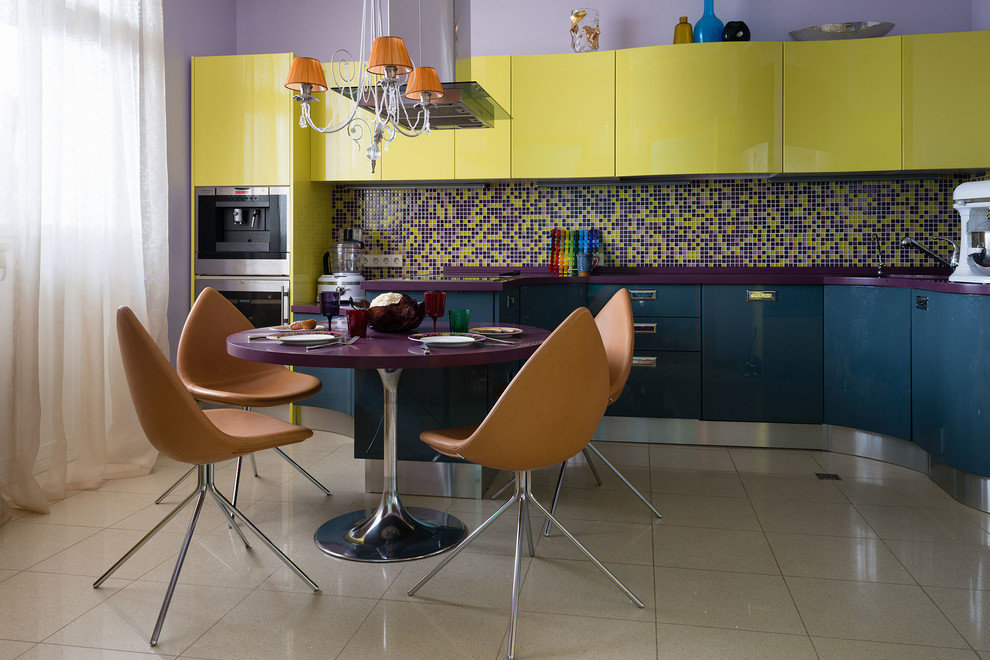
column 615, row 323
column 548, row 413
column 213, row 375
column 179, row 429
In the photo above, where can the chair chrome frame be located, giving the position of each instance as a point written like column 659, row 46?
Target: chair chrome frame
column 523, row 497
column 205, row 485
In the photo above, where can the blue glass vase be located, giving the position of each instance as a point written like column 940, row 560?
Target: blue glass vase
column 708, row 28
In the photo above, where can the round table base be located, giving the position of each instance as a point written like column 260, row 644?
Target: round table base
column 432, row 532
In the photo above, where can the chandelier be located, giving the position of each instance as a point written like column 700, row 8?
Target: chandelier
column 370, row 103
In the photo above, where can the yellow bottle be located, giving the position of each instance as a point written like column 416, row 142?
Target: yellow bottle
column 683, row 33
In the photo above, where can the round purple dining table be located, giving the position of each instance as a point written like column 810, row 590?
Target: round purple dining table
column 390, row 532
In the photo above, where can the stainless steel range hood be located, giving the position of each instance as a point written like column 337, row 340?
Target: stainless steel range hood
column 437, row 33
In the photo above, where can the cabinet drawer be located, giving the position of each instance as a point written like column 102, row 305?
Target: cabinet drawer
column 661, row 384
column 650, row 299
column 667, row 334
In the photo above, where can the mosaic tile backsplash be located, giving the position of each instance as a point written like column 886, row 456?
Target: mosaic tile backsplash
column 746, row 222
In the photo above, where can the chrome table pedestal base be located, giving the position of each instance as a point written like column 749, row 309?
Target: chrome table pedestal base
column 391, row 532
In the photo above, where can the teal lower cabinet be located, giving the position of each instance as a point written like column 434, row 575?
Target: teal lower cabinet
column 664, row 384
column 868, row 359
column 761, row 353
column 950, row 387
column 546, row 306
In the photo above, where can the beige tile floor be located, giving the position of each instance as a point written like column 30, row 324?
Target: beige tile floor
column 755, row 558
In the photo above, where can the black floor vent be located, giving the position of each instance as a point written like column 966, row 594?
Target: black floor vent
column 828, row 475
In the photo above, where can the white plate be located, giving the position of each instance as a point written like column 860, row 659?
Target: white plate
column 305, row 338
column 448, row 341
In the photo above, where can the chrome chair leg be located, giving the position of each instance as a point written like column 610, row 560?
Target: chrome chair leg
column 254, row 464
column 178, row 567
column 621, row 476
column 237, row 478
column 303, row 472
column 502, row 488
column 230, row 520
column 172, row 487
column 591, row 465
column 521, row 524
column 556, row 495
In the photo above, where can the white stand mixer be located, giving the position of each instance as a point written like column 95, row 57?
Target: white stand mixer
column 972, row 200
column 346, row 275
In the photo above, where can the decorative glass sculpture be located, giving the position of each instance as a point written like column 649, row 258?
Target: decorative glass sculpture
column 584, row 30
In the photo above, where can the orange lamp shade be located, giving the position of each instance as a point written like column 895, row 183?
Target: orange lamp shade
column 424, row 79
column 306, row 71
column 389, row 51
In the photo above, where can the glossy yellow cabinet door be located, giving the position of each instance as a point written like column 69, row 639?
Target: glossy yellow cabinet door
column 707, row 108
column 421, row 158
column 946, row 101
column 241, row 120
column 335, row 156
column 842, row 105
column 563, row 115
column 485, row 153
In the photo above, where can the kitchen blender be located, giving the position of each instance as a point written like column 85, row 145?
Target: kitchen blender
column 344, row 275
column 972, row 200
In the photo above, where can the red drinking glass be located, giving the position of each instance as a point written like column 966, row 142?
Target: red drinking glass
column 433, row 303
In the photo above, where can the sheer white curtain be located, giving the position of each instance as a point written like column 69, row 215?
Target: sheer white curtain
column 83, row 203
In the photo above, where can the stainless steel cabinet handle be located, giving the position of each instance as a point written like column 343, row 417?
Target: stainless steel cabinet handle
column 761, row 296
column 642, row 361
column 284, row 300
column 645, row 328
column 642, row 294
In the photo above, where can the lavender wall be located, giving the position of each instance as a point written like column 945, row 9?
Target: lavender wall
column 192, row 27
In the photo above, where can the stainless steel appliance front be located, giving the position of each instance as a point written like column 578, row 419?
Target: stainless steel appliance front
column 241, row 230
column 263, row 300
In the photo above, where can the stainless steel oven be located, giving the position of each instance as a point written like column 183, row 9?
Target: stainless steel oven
column 263, row 300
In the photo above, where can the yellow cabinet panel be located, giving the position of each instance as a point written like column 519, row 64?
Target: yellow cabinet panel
column 698, row 109
column 241, row 119
column 946, row 97
column 563, row 115
column 485, row 153
column 421, row 158
column 842, row 105
column 335, row 156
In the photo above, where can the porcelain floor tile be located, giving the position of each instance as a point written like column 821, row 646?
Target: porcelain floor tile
column 59, row 652
column 837, row 558
column 702, row 643
column 92, row 508
column 696, row 482
column 774, row 461
column 849, row 649
column 854, row 467
column 428, row 631
column 819, row 518
column 155, row 483
column 937, row 525
column 561, row 637
column 919, row 493
column 969, row 612
column 691, row 458
column 10, row 649
column 469, row 580
column 561, row 586
column 94, row 555
column 945, row 564
column 701, row 511
column 625, row 543
column 599, row 504
column 35, row 605
column 797, row 487
column 309, row 626
column 741, row 551
column 125, row 621
column 621, row 454
column 220, row 562
column 744, row 601
column 23, row 544
column 871, row 611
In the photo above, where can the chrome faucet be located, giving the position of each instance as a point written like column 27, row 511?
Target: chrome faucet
column 907, row 241
column 880, row 266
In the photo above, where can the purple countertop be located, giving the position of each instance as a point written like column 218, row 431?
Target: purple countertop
column 501, row 279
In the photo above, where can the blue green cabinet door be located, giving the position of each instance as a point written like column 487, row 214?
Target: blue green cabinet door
column 950, row 390
column 337, row 392
column 546, row 306
column 762, row 353
column 868, row 359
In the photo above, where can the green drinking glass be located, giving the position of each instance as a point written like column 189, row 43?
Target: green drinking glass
column 459, row 319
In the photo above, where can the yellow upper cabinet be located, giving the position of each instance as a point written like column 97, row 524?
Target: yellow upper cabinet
column 842, row 105
column 241, row 118
column 698, row 108
column 421, row 158
column 335, row 156
column 485, row 153
column 945, row 101
column 563, row 115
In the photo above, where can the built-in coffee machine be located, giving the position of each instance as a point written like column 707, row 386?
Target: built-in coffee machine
column 241, row 238
column 972, row 201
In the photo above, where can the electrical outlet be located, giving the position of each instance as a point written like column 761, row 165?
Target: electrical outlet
column 383, row 260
